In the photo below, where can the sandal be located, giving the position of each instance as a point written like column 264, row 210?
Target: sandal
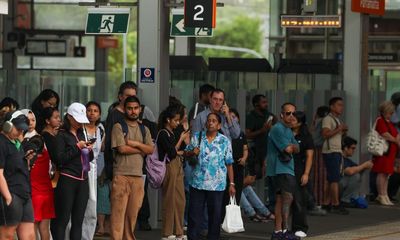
column 259, row 218
column 99, row 234
column 270, row 216
column 255, row 218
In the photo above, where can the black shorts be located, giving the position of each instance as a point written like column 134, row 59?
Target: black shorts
column 333, row 162
column 19, row 210
column 284, row 183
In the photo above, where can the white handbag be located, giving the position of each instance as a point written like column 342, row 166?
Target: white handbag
column 376, row 144
column 233, row 222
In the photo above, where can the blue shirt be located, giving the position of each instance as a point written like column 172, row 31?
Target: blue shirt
column 210, row 172
column 279, row 138
column 230, row 131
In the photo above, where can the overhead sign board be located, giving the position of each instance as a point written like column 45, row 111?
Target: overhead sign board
column 315, row 21
column 178, row 28
column 375, row 7
column 107, row 21
column 200, row 13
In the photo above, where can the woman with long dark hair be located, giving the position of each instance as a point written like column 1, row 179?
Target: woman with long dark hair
column 46, row 98
column 302, row 167
column 73, row 154
column 41, row 188
column 173, row 192
column 95, row 134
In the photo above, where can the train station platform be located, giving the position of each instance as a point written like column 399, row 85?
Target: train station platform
column 375, row 223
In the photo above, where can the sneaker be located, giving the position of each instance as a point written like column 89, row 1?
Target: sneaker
column 171, row 237
column 144, row 226
column 300, row 234
column 277, row 235
column 339, row 210
column 317, row 211
column 183, row 237
column 288, row 235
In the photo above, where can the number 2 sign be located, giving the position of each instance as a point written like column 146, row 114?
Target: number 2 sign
column 200, row 13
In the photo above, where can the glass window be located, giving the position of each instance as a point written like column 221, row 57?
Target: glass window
column 60, row 17
column 392, row 4
column 76, row 63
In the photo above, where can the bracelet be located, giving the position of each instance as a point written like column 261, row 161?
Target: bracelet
column 232, row 184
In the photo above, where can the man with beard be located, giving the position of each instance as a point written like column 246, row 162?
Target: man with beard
column 258, row 123
column 127, row 185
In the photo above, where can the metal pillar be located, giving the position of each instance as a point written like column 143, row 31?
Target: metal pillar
column 185, row 46
column 153, row 52
column 355, row 78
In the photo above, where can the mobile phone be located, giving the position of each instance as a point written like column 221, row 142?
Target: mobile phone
column 270, row 118
column 92, row 140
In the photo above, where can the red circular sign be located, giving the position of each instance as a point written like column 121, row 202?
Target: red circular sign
column 147, row 73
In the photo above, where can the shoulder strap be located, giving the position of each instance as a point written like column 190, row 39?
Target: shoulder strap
column 196, row 108
column 143, row 131
column 124, row 127
column 200, row 137
column 101, row 129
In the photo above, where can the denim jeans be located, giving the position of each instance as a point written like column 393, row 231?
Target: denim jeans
column 251, row 203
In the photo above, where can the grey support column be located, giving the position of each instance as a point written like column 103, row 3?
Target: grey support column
column 355, row 78
column 153, row 52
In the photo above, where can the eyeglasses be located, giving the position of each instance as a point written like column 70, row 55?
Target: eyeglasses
column 288, row 113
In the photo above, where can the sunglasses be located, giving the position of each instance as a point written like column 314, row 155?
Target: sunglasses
column 288, row 113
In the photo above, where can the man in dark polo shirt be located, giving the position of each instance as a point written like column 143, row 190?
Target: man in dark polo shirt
column 16, row 211
column 258, row 123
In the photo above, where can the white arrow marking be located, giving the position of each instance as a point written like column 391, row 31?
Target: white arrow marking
column 180, row 26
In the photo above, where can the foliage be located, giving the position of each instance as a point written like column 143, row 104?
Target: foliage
column 242, row 32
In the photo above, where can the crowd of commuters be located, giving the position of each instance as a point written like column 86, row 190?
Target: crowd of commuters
column 75, row 177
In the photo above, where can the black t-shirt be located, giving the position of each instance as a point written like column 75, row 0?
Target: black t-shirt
column 254, row 122
column 15, row 168
column 166, row 145
column 237, row 146
column 305, row 142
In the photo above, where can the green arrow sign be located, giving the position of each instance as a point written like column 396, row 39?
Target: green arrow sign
column 179, row 30
column 107, row 20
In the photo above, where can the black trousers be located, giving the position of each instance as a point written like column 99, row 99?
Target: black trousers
column 299, row 207
column 70, row 200
column 198, row 200
column 144, row 212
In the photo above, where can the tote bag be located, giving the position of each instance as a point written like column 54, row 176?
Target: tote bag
column 233, row 222
column 376, row 145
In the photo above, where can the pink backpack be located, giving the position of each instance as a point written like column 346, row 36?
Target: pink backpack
column 156, row 168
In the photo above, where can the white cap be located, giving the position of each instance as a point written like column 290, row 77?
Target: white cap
column 78, row 112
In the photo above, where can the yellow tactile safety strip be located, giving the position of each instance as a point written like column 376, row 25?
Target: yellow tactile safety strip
column 386, row 231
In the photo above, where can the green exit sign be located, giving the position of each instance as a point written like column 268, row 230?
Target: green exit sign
column 178, row 28
column 107, row 21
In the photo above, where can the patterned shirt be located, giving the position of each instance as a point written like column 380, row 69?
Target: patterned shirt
column 210, row 172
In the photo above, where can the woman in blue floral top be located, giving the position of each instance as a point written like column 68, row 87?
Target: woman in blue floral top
column 208, row 180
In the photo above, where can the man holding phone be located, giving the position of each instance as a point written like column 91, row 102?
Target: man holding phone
column 258, row 124
column 229, row 126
